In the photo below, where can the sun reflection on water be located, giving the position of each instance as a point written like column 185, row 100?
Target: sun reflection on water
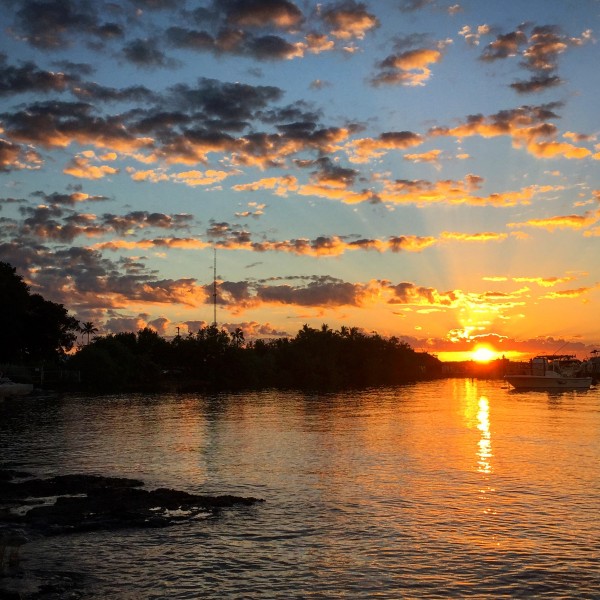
column 484, row 453
column 477, row 417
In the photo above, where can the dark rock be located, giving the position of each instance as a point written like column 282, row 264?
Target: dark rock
column 91, row 502
column 83, row 503
column 10, row 474
column 62, row 485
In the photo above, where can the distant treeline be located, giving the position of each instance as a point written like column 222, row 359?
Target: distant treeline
column 35, row 332
column 215, row 359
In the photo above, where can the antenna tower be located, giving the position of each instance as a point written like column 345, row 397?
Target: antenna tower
column 215, row 288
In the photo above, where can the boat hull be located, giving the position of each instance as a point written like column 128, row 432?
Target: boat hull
column 542, row 382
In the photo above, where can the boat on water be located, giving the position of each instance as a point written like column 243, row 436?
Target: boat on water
column 9, row 388
column 591, row 366
column 559, row 371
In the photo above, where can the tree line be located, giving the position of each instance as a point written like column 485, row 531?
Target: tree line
column 211, row 358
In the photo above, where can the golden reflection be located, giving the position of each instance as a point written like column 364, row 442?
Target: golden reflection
column 484, row 452
column 477, row 416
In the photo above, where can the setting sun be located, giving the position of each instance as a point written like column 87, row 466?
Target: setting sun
column 483, row 354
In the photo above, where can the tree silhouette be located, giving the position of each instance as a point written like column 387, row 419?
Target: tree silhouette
column 88, row 329
column 31, row 328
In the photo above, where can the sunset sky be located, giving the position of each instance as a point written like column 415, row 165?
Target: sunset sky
column 419, row 168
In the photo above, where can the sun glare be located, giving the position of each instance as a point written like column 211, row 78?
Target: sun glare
column 483, row 354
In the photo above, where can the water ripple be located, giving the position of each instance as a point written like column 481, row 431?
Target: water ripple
column 447, row 489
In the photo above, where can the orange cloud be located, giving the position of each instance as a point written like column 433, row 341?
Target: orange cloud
column 148, row 175
column 552, row 149
column 182, row 243
column 560, row 222
column 16, row 157
column 575, row 293
column 487, row 236
column 317, row 43
column 320, row 246
column 543, row 281
column 281, row 185
column 431, row 156
column 335, row 192
column 528, row 127
column 194, row 178
column 363, row 150
column 82, row 168
column 422, row 193
column 409, row 68
column 349, row 21
column 411, row 294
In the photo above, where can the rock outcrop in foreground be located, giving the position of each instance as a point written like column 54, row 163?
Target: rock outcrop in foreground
column 31, row 508
column 92, row 502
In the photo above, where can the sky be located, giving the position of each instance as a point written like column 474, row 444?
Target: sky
column 417, row 168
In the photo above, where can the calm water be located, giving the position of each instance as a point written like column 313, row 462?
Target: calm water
column 451, row 489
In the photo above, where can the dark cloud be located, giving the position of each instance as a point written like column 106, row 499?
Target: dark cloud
column 55, row 224
column 29, row 78
column 67, row 199
column 218, row 229
column 57, row 123
column 331, row 173
column 232, row 292
column 538, row 50
column 55, row 24
column 531, row 117
column 323, row 293
column 160, row 123
column 546, row 43
column 48, row 23
column 12, row 200
column 14, row 157
column 157, row 4
column 85, row 280
column 93, row 92
column 147, row 54
column 230, row 27
column 295, row 116
column 413, row 5
column 108, row 31
column 233, row 41
column 410, row 42
column 281, row 14
column 80, row 69
column 348, row 19
column 141, row 219
column 190, row 39
column 409, row 293
column 227, row 101
column 536, row 84
column 24, row 256
column 269, row 47
column 9, row 155
column 504, row 46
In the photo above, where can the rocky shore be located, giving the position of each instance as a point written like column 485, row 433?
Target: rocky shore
column 31, row 508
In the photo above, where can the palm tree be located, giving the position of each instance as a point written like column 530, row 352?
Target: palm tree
column 88, row 328
column 237, row 337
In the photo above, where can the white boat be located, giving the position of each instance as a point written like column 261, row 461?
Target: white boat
column 9, row 388
column 591, row 366
column 551, row 373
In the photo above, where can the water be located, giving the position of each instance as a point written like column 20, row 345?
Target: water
column 450, row 489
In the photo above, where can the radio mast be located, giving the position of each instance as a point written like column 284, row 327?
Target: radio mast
column 215, row 287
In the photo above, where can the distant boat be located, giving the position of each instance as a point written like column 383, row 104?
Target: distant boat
column 9, row 388
column 591, row 366
column 551, row 373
